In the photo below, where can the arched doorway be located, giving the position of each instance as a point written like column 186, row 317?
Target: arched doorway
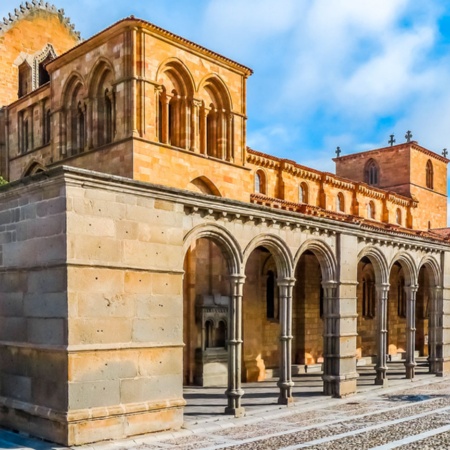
column 366, row 344
column 212, row 302
column 267, row 313
column 206, row 302
column 308, row 309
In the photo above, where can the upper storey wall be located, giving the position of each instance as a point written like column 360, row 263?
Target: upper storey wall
column 28, row 34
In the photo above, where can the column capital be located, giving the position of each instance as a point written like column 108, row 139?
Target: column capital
column 412, row 289
column 382, row 288
column 288, row 281
column 237, row 278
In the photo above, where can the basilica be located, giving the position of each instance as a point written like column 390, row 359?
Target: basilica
column 145, row 247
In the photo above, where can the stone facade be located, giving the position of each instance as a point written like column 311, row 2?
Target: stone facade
column 144, row 247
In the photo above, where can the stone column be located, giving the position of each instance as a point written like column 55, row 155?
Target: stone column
column 165, row 118
column 285, row 382
column 381, row 366
column 410, row 362
column 234, row 392
column 435, row 295
column 230, row 155
column 440, row 332
column 203, row 131
column 195, row 118
column 92, row 123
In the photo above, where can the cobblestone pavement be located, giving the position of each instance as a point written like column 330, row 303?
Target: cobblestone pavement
column 408, row 416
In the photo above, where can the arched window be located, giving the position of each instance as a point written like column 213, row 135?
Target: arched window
column 429, row 174
column 221, row 336
column 371, row 210
column 398, row 216
column 303, row 193
column 340, row 205
column 260, row 182
column 108, row 117
column 25, row 79
column 209, row 334
column 43, row 75
column 80, row 128
column 371, row 173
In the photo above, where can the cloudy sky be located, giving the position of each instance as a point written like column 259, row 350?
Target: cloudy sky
column 327, row 73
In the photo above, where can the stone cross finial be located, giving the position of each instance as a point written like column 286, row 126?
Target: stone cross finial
column 444, row 153
column 391, row 140
column 408, row 136
column 338, row 151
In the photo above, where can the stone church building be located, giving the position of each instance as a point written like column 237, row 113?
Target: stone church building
column 144, row 247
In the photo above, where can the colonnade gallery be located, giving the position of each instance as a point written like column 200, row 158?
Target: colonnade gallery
column 144, row 247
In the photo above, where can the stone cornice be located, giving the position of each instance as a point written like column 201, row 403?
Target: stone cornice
column 260, row 209
column 133, row 22
column 25, row 9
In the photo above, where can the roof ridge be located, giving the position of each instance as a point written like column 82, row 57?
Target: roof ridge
column 27, row 7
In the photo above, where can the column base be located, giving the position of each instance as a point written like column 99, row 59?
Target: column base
column 339, row 386
column 410, row 372
column 236, row 412
column 288, row 401
column 381, row 382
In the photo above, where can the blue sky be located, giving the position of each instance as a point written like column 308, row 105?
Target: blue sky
column 327, row 73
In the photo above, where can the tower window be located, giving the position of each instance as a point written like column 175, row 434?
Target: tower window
column 371, row 210
column 398, row 216
column 371, row 174
column 429, row 174
column 303, row 193
column 340, row 206
column 260, row 182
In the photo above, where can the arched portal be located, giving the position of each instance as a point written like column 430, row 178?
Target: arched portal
column 428, row 305
column 212, row 292
column 367, row 313
column 308, row 309
column 314, row 326
column 206, row 303
column 372, row 293
column 267, row 313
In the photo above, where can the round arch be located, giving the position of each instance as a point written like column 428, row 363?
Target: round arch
column 324, row 254
column 74, row 81
column 217, row 90
column 205, row 186
column 178, row 73
column 280, row 252
column 407, row 263
column 430, row 263
column 378, row 261
column 223, row 239
column 101, row 67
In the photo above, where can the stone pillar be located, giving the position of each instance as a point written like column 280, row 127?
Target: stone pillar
column 230, row 153
column 339, row 344
column 440, row 332
column 381, row 366
column 165, row 118
column 203, row 131
column 234, row 392
column 285, row 382
column 195, row 117
column 434, row 301
column 410, row 362
column 92, row 123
